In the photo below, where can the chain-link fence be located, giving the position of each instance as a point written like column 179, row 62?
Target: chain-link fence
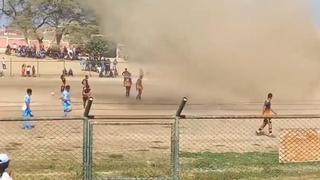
column 42, row 67
column 228, row 147
column 53, row 149
column 47, row 67
column 161, row 147
column 132, row 149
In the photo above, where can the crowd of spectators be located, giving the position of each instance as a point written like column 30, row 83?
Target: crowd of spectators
column 105, row 67
column 53, row 52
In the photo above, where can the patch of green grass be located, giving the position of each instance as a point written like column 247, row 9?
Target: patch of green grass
column 251, row 165
column 116, row 165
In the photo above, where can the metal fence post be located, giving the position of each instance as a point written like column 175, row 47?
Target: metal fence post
column 86, row 153
column 175, row 148
column 90, row 150
column 84, row 149
column 172, row 147
column 88, row 107
column 176, row 141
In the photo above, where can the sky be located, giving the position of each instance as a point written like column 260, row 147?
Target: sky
column 315, row 9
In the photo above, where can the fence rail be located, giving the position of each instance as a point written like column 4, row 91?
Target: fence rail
column 163, row 147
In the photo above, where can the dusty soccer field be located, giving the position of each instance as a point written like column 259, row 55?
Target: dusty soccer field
column 142, row 143
column 109, row 99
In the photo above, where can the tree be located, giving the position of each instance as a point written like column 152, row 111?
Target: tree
column 14, row 10
column 64, row 16
column 98, row 47
column 61, row 15
column 82, row 34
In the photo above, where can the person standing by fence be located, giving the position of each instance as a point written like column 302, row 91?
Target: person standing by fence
column 266, row 113
column 4, row 164
column 23, row 70
column 33, row 71
column 1, row 71
column 26, row 111
column 4, row 66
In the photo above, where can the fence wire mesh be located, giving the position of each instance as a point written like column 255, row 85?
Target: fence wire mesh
column 209, row 148
column 132, row 150
column 229, row 148
column 42, row 67
column 51, row 150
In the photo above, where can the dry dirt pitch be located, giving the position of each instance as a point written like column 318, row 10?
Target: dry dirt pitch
column 49, row 142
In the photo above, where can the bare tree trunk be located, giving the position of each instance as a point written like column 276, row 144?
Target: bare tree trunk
column 40, row 41
column 58, row 38
column 26, row 35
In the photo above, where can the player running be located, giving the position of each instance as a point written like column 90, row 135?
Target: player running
column 63, row 83
column 127, row 85
column 26, row 111
column 65, row 98
column 126, row 75
column 266, row 113
column 139, row 87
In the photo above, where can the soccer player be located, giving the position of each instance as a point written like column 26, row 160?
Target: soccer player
column 63, row 83
column 267, row 112
column 127, row 85
column 85, row 81
column 85, row 94
column 126, row 75
column 26, row 111
column 65, row 97
column 139, row 87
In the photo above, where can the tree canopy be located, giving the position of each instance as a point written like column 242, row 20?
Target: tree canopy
column 99, row 47
column 65, row 17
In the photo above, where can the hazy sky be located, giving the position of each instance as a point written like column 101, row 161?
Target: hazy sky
column 316, row 12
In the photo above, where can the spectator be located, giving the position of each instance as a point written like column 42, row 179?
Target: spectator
column 23, row 70
column 4, row 66
column 8, row 50
column 70, row 73
column 1, row 71
column 115, row 73
column 28, row 70
column 64, row 72
column 33, row 71
column 4, row 164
